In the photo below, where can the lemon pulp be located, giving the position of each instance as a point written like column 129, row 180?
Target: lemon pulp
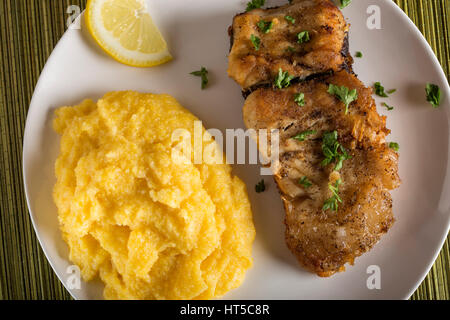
column 124, row 29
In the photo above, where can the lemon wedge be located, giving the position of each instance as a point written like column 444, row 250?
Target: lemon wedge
column 124, row 30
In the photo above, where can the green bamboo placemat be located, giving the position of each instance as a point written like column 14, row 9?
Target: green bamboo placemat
column 29, row 30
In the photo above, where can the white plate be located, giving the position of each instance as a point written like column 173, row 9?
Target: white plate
column 397, row 55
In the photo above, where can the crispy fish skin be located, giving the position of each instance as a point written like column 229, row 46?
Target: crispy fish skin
column 324, row 241
column 326, row 51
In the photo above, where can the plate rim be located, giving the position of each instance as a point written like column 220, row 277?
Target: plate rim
column 443, row 77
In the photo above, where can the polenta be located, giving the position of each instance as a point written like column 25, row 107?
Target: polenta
column 149, row 227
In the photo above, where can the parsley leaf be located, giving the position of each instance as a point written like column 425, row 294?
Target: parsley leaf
column 344, row 94
column 255, row 41
column 290, row 49
column 303, row 37
column 388, row 106
column 333, row 150
column 255, row 4
column 290, row 19
column 359, row 54
column 283, row 79
column 260, row 186
column 300, row 99
column 305, row 182
column 203, row 73
column 344, row 3
column 394, row 146
column 433, row 94
column 302, row 135
column 379, row 90
column 265, row 26
column 332, row 203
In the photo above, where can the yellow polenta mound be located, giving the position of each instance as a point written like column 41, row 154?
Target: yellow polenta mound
column 151, row 228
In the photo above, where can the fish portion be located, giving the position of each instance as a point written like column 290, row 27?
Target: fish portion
column 325, row 240
column 324, row 49
column 334, row 169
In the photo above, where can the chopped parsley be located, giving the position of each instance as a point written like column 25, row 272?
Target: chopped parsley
column 290, row 49
column 394, row 146
column 379, row 90
column 255, row 4
column 433, row 94
column 283, row 80
column 388, row 106
column 300, row 99
column 265, row 26
column 302, row 135
column 290, row 19
column 260, row 186
column 344, row 94
column 359, row 54
column 303, row 37
column 333, row 202
column 344, row 3
column 305, row 182
column 333, row 150
column 203, row 73
column 255, row 41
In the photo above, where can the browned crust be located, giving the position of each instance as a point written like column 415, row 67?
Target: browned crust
column 373, row 168
column 347, row 59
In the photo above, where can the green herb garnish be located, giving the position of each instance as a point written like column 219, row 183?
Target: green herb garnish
column 290, row 49
column 303, row 37
column 302, row 135
column 283, row 80
column 344, row 3
column 359, row 54
column 333, row 150
column 265, row 26
column 255, row 4
column 255, row 41
column 290, row 19
column 260, row 186
column 394, row 146
column 305, row 182
column 344, row 94
column 203, row 73
column 333, row 202
column 300, row 99
column 433, row 94
column 379, row 90
column 388, row 106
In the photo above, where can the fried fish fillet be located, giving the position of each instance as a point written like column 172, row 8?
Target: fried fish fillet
column 326, row 50
column 325, row 240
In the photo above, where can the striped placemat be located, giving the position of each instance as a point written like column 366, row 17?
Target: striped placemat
column 29, row 30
